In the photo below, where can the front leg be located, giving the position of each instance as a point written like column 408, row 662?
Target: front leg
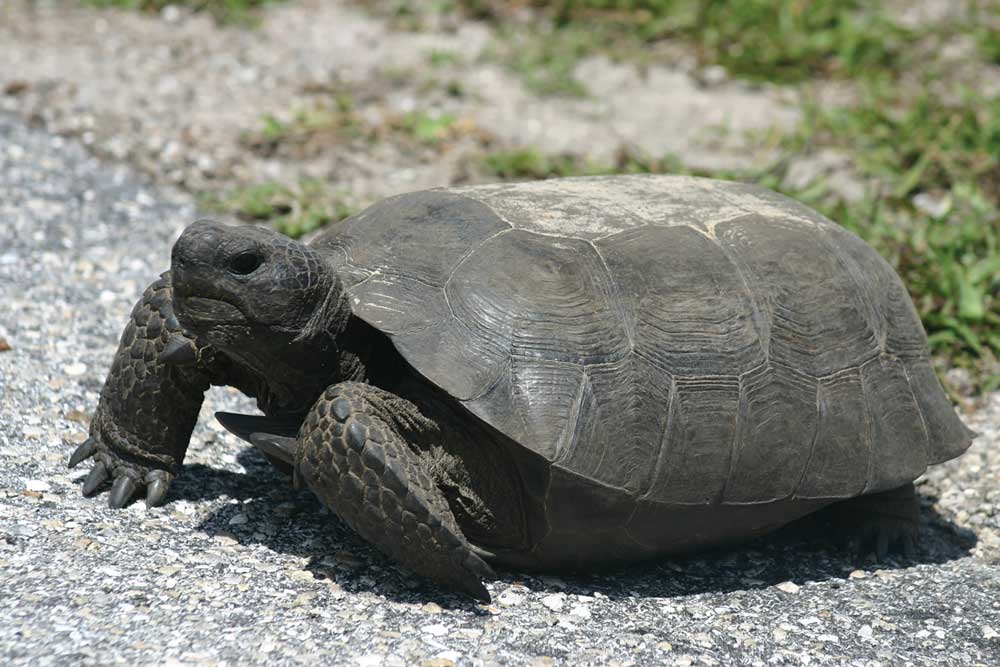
column 149, row 404
column 358, row 451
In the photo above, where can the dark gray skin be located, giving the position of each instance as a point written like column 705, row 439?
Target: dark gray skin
column 549, row 376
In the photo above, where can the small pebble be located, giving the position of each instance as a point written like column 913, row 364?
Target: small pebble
column 788, row 587
column 436, row 630
column 554, row 602
column 509, row 598
column 437, row 662
column 75, row 369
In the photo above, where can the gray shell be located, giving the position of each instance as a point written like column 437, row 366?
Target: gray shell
column 686, row 340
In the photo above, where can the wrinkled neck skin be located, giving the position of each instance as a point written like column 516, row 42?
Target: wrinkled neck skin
column 287, row 375
column 286, row 369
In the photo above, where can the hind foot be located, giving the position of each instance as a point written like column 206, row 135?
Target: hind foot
column 879, row 523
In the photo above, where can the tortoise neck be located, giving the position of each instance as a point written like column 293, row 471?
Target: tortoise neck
column 367, row 355
column 331, row 316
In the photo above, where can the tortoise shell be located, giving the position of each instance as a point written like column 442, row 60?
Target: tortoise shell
column 684, row 341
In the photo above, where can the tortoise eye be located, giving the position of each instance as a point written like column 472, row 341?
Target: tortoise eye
column 245, row 263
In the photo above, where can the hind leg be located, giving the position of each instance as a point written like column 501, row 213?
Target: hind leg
column 879, row 522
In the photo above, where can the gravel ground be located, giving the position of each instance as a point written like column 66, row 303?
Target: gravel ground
column 238, row 568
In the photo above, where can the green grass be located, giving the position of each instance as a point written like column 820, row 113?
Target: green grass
column 426, row 127
column 766, row 40
column 985, row 21
column 328, row 126
column 777, row 40
column 528, row 164
column 546, row 61
column 308, row 122
column 291, row 210
column 241, row 12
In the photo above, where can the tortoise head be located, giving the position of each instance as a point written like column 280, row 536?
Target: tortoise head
column 263, row 299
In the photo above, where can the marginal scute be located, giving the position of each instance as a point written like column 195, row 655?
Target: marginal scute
column 947, row 436
column 700, row 434
column 619, row 424
column 398, row 304
column 546, row 397
column 900, row 451
column 838, row 466
column 449, row 355
column 778, row 420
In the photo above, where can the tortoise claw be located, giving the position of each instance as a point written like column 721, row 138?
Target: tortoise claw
column 156, row 493
column 121, row 492
column 280, row 447
column 84, row 451
column 881, row 545
column 98, row 475
column 156, row 489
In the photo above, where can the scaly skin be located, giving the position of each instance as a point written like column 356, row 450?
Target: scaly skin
column 148, row 408
column 358, row 452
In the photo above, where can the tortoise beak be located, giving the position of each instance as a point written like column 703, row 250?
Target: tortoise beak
column 197, row 309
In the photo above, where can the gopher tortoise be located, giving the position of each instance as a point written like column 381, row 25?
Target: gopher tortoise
column 563, row 374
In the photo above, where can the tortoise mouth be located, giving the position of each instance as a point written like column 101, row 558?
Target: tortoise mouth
column 202, row 310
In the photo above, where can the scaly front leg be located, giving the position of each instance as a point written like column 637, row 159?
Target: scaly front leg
column 149, row 405
column 357, row 451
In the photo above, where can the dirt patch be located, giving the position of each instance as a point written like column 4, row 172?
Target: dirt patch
column 187, row 100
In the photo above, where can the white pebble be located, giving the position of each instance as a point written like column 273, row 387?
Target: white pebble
column 37, row 485
column 436, row 630
column 75, row 369
column 553, row 602
column 510, row 598
column 788, row 587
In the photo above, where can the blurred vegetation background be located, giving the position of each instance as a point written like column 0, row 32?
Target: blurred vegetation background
column 920, row 125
